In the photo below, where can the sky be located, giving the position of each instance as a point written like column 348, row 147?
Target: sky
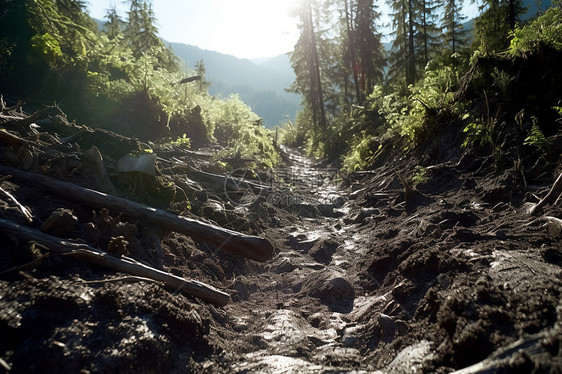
column 243, row 28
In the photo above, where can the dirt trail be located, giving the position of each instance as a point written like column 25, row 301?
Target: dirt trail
column 294, row 320
column 363, row 285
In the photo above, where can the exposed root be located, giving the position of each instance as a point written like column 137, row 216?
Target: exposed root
column 552, row 196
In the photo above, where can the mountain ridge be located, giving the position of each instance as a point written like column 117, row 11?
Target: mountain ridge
column 260, row 85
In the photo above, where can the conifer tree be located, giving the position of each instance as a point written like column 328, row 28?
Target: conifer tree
column 141, row 34
column 368, row 47
column 114, row 25
column 402, row 55
column 428, row 34
column 306, row 64
column 497, row 19
column 201, row 70
column 454, row 36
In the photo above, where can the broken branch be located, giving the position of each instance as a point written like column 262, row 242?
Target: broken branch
column 23, row 209
column 123, row 264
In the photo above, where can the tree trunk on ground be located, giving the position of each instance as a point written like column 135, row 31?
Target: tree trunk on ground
column 123, row 264
column 252, row 247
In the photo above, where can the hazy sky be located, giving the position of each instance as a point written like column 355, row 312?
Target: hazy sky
column 243, row 28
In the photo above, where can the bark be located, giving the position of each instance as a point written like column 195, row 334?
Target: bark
column 252, row 247
column 229, row 182
column 123, row 264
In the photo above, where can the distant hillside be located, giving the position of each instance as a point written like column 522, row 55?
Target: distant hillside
column 261, row 86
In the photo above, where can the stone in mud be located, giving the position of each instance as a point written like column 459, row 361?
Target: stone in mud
column 323, row 250
column 284, row 266
column 351, row 336
column 337, row 293
column 327, row 210
column 388, row 328
column 362, row 215
column 300, row 242
column 60, row 223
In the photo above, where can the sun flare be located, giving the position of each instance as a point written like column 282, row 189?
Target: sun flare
column 257, row 28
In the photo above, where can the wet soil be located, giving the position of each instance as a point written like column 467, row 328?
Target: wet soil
column 360, row 280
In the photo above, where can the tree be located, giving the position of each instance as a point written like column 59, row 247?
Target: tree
column 428, row 35
column 306, row 64
column 454, row 36
column 497, row 19
column 141, row 34
column 370, row 57
column 201, row 70
column 402, row 55
column 114, row 25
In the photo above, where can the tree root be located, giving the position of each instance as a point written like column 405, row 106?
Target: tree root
column 553, row 195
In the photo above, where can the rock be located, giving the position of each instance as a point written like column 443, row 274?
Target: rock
column 323, row 250
column 300, row 242
column 143, row 163
column 327, row 210
column 388, row 328
column 351, row 336
column 60, row 223
column 284, row 266
column 332, row 289
column 337, row 292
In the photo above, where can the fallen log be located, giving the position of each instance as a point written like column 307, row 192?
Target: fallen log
column 229, row 182
column 11, row 139
column 191, row 79
column 252, row 247
column 551, row 196
column 124, row 264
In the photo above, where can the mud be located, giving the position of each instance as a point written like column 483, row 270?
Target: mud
column 358, row 283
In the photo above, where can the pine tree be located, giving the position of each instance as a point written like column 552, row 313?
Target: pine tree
column 141, row 34
column 114, row 25
column 201, row 70
column 350, row 50
column 428, row 35
column 403, row 54
column 454, row 36
column 306, row 64
column 369, row 50
column 497, row 19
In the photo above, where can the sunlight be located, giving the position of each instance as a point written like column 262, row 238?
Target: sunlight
column 254, row 28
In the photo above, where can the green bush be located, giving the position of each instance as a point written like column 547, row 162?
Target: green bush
column 545, row 31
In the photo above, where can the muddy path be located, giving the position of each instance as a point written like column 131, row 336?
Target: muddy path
column 363, row 278
column 359, row 283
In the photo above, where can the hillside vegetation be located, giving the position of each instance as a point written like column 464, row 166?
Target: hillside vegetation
column 122, row 79
column 499, row 95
